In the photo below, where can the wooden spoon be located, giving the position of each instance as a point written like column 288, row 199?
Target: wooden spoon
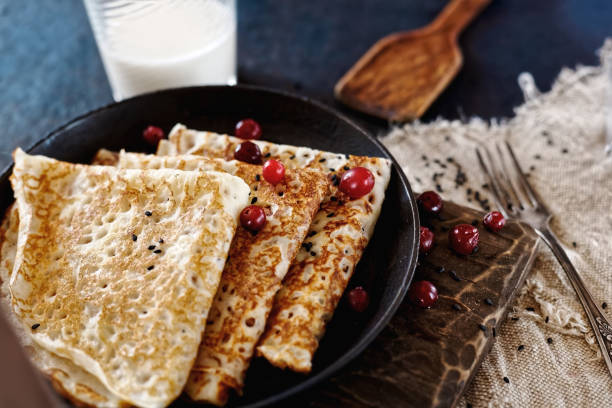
column 403, row 73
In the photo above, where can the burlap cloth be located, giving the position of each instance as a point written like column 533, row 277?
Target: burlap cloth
column 559, row 139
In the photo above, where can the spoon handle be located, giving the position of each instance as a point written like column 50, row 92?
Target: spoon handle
column 457, row 15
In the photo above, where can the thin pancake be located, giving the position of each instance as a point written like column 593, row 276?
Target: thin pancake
column 71, row 381
column 321, row 271
column 115, row 269
column 254, row 271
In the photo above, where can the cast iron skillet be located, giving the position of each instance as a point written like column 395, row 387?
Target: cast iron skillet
column 387, row 266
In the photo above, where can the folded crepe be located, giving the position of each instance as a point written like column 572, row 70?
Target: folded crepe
column 82, row 388
column 115, row 272
column 254, row 271
column 338, row 235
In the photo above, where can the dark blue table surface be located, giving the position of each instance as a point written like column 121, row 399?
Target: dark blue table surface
column 50, row 70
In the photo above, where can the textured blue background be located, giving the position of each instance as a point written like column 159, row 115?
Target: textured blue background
column 50, row 70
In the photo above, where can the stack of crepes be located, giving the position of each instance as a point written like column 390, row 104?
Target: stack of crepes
column 131, row 280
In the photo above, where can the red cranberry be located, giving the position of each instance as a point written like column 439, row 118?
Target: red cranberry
column 273, row 171
column 253, row 218
column 494, row 221
column 248, row 129
column 423, row 293
column 426, row 238
column 357, row 182
column 463, row 238
column 248, row 152
column 431, row 202
column 152, row 135
column 358, row 299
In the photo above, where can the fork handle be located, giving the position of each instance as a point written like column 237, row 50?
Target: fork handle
column 599, row 322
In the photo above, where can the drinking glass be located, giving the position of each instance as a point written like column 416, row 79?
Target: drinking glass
column 148, row 45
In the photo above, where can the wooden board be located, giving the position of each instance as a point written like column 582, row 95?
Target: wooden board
column 427, row 358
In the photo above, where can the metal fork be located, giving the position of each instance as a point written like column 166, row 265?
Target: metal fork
column 516, row 199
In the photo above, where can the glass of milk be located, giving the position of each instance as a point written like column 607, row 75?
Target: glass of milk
column 148, row 45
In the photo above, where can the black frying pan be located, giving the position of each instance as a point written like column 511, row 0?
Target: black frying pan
column 387, row 266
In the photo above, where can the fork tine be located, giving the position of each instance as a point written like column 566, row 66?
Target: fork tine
column 493, row 183
column 509, row 180
column 511, row 206
column 531, row 195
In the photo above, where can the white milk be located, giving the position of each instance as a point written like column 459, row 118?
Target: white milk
column 166, row 44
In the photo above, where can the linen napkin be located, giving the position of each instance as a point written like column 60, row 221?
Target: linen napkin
column 546, row 349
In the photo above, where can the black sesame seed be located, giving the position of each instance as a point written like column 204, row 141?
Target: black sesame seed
column 307, row 246
column 333, row 199
column 547, row 319
column 537, row 157
column 161, row 241
column 453, row 275
column 520, row 348
column 253, row 200
column 456, row 307
column 35, row 326
column 449, row 159
column 469, row 191
column 515, row 319
column 604, row 305
column 440, row 269
column 292, row 157
column 447, row 138
column 150, row 268
column 330, row 215
column 488, row 302
column 549, row 340
column 347, row 156
column 482, row 327
column 531, row 168
column 280, row 193
column 334, row 177
column 134, row 237
column 506, row 380
column 530, row 309
column 494, row 332
column 312, row 233
column 321, row 160
column 346, row 168
column 148, row 213
column 257, row 177
column 424, row 157
column 574, row 244
column 476, row 249
column 267, row 155
column 157, row 251
column 564, row 151
column 550, row 142
column 313, row 253
column 439, row 188
column 151, row 247
column 336, row 181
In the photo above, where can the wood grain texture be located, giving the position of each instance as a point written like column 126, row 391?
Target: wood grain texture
column 427, row 357
column 403, row 73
